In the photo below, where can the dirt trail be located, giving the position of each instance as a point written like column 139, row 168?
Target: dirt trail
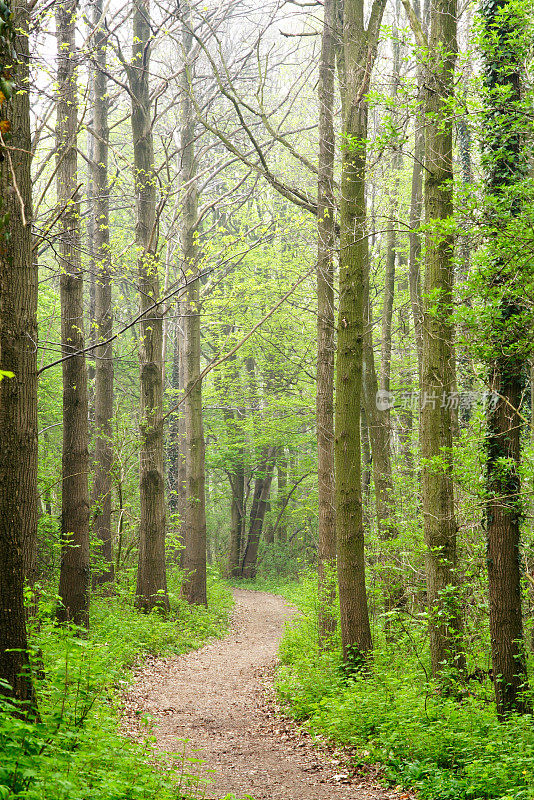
column 215, row 698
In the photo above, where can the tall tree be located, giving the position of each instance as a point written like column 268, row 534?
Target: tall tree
column 416, row 205
column 18, row 349
column 510, row 335
column 74, row 575
column 359, row 50
column 194, row 587
column 438, row 365
column 103, row 316
column 151, row 589
column 326, row 323
column 176, row 443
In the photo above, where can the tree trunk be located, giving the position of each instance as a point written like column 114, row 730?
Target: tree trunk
column 282, row 497
column 377, row 418
column 325, row 327
column 367, row 464
column 103, row 317
column 510, row 342
column 194, row 587
column 18, row 395
column 237, row 485
column 378, row 424
column 416, row 214
column 262, row 488
column 176, row 448
column 359, row 47
column 151, row 591
column 437, row 373
column 74, row 576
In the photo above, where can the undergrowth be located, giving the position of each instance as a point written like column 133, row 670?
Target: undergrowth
column 448, row 749
column 76, row 750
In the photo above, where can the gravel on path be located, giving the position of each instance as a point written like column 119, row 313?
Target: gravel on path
column 217, row 699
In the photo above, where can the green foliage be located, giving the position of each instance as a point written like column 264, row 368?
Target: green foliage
column 447, row 749
column 76, row 750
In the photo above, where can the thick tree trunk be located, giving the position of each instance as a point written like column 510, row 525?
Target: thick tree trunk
column 194, row 587
column 262, row 489
column 103, row 316
column 325, row 327
column 359, row 48
column 437, row 373
column 151, row 589
column 18, row 395
column 74, row 576
column 510, row 340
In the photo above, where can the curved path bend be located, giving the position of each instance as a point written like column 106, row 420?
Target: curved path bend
column 215, row 699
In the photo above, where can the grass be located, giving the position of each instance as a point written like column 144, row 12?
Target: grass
column 76, row 751
column 445, row 748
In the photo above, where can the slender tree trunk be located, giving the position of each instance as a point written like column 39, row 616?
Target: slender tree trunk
column 18, row 395
column 510, row 342
column 237, row 485
column 406, row 382
column 262, row 489
column 151, row 589
column 325, row 326
column 176, row 448
column 367, row 465
column 103, row 317
column 74, row 576
column 377, row 418
column 378, row 424
column 282, row 496
column 359, row 47
column 236, row 472
column 194, row 587
column 437, row 373
column 416, row 215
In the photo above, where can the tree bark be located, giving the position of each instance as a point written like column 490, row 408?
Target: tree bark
column 237, row 484
column 379, row 434
column 194, row 587
column 176, row 448
column 262, row 488
column 416, row 213
column 18, row 395
column 74, row 576
column 103, row 317
column 282, row 496
column 437, row 372
column 151, row 591
column 325, row 327
column 510, row 339
column 359, row 47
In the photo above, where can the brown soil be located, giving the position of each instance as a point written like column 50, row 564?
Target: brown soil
column 220, row 700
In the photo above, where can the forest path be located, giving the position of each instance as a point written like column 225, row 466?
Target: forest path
column 216, row 699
